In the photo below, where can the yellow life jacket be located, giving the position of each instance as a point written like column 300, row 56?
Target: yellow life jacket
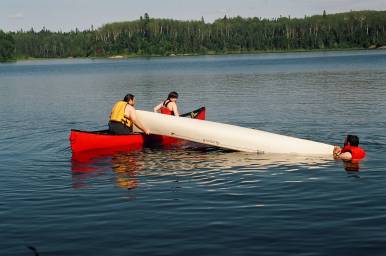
column 118, row 114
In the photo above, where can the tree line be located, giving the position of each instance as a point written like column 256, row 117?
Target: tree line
column 148, row 36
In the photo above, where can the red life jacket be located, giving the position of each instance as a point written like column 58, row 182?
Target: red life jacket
column 357, row 153
column 165, row 110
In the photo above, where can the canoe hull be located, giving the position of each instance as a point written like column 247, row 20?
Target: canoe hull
column 231, row 136
column 94, row 140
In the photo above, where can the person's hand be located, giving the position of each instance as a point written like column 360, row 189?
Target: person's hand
column 146, row 131
column 336, row 151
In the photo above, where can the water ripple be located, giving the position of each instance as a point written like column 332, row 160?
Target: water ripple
column 192, row 199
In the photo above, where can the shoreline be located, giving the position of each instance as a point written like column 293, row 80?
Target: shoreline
column 209, row 53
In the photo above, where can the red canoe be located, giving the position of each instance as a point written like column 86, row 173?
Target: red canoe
column 86, row 140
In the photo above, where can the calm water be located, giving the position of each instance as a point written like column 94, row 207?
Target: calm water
column 191, row 199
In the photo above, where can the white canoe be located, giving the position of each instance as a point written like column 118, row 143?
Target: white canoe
column 230, row 136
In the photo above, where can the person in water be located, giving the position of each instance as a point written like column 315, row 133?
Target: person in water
column 169, row 106
column 350, row 151
column 123, row 116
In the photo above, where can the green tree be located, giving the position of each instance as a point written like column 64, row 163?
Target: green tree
column 149, row 36
column 7, row 47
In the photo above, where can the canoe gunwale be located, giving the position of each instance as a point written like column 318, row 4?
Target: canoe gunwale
column 94, row 140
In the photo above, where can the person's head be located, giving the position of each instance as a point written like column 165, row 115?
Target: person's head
column 173, row 96
column 130, row 99
column 351, row 140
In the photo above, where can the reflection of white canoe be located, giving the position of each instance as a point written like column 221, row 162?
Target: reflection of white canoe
column 234, row 162
column 230, row 136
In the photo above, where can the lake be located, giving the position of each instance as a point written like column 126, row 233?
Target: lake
column 192, row 199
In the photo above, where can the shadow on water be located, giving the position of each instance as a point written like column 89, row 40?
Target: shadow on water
column 185, row 160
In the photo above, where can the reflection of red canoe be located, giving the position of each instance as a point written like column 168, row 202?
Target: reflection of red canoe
column 83, row 140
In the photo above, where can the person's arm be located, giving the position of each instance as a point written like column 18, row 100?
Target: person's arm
column 158, row 107
column 137, row 122
column 346, row 156
column 174, row 109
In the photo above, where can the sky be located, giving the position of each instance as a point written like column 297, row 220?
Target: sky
column 66, row 15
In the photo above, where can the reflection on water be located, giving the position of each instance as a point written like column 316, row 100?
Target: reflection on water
column 351, row 166
column 182, row 160
column 88, row 165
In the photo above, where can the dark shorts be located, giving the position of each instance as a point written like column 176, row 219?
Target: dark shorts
column 119, row 128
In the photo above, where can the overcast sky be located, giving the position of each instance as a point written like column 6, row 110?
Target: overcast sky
column 67, row 15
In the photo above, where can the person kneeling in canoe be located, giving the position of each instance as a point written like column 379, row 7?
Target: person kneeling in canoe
column 123, row 117
column 350, row 151
column 169, row 106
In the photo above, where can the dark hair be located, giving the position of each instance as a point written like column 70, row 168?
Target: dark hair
column 172, row 95
column 128, row 97
column 353, row 139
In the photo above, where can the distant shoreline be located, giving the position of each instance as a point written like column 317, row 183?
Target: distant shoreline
column 133, row 56
column 152, row 37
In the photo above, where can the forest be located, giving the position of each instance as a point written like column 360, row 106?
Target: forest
column 164, row 37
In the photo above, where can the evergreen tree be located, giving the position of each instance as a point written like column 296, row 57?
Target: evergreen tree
column 7, row 47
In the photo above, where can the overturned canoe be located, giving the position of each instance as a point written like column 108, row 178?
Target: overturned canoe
column 230, row 136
